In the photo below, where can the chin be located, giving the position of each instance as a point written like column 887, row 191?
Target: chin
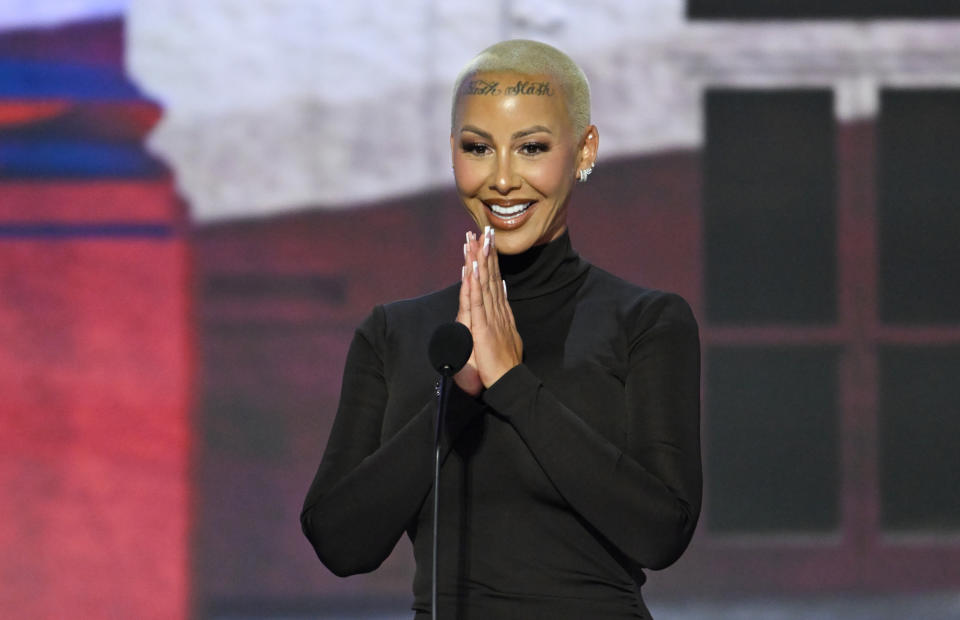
column 510, row 251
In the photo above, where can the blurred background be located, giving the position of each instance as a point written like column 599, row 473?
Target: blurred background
column 199, row 201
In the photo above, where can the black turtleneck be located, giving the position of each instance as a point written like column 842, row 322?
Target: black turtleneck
column 574, row 471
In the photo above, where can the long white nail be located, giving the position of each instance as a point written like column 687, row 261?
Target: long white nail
column 476, row 269
column 465, row 250
column 468, row 236
column 504, row 287
column 486, row 245
column 463, row 272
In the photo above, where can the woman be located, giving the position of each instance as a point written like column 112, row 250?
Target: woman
column 571, row 457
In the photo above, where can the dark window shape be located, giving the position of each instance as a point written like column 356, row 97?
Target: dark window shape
column 772, row 440
column 769, row 201
column 919, row 206
column 277, row 286
column 821, row 9
column 235, row 425
column 919, row 429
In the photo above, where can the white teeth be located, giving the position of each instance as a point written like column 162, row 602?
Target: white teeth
column 508, row 211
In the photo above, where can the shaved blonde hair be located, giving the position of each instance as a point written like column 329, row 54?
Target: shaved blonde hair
column 532, row 58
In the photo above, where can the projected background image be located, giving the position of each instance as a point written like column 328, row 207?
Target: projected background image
column 200, row 201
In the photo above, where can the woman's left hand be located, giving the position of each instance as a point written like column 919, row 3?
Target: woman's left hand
column 497, row 346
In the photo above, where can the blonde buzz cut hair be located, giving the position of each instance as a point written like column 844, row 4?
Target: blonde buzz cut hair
column 532, row 58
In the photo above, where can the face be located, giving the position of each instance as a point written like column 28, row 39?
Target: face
column 516, row 157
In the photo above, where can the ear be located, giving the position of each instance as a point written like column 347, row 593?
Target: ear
column 587, row 155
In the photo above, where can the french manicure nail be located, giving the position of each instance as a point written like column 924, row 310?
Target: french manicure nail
column 468, row 236
column 463, row 272
column 504, row 287
column 476, row 269
column 464, row 250
column 486, row 245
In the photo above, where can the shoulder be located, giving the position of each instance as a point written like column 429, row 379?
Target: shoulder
column 639, row 308
column 410, row 318
column 423, row 309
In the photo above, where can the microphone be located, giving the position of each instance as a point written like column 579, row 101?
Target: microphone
column 450, row 348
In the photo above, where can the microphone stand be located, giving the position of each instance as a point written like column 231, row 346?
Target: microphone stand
column 443, row 389
column 449, row 350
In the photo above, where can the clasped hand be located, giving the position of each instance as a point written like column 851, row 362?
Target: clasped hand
column 485, row 311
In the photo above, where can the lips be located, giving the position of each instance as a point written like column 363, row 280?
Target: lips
column 509, row 212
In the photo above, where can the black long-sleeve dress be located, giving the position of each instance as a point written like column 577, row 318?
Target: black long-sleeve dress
column 560, row 483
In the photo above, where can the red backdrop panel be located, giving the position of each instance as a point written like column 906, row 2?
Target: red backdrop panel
column 95, row 377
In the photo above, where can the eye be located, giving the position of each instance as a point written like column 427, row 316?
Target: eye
column 534, row 148
column 474, row 148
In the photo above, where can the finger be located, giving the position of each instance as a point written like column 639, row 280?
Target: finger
column 471, row 251
column 494, row 257
column 463, row 306
column 502, row 303
column 489, row 256
column 484, row 256
column 493, row 285
column 463, row 309
column 496, row 285
column 490, row 301
column 494, row 290
column 478, row 317
column 512, row 323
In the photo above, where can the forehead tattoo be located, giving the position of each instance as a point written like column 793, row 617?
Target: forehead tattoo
column 493, row 88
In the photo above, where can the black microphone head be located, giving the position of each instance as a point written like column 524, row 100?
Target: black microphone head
column 450, row 347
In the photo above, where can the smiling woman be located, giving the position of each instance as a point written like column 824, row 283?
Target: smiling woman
column 516, row 153
column 571, row 454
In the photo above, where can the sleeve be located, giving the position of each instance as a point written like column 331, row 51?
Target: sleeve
column 367, row 492
column 644, row 499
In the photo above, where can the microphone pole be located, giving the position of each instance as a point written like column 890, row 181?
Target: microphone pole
column 443, row 389
column 450, row 348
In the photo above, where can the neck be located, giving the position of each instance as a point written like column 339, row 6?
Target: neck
column 542, row 269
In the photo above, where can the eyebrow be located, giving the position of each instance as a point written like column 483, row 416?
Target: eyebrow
column 517, row 134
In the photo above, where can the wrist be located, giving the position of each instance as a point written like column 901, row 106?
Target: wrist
column 495, row 376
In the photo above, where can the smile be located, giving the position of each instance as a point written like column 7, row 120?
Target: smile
column 509, row 211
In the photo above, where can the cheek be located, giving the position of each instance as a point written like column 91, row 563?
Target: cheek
column 468, row 175
column 549, row 178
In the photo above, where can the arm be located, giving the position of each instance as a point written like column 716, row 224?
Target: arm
column 644, row 499
column 365, row 492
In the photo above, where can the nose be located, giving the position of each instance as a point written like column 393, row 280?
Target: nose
column 504, row 178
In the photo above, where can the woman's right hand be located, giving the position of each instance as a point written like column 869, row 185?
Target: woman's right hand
column 468, row 379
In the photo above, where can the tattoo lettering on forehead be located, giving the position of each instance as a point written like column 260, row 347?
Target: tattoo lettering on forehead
column 481, row 87
column 526, row 87
column 522, row 87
